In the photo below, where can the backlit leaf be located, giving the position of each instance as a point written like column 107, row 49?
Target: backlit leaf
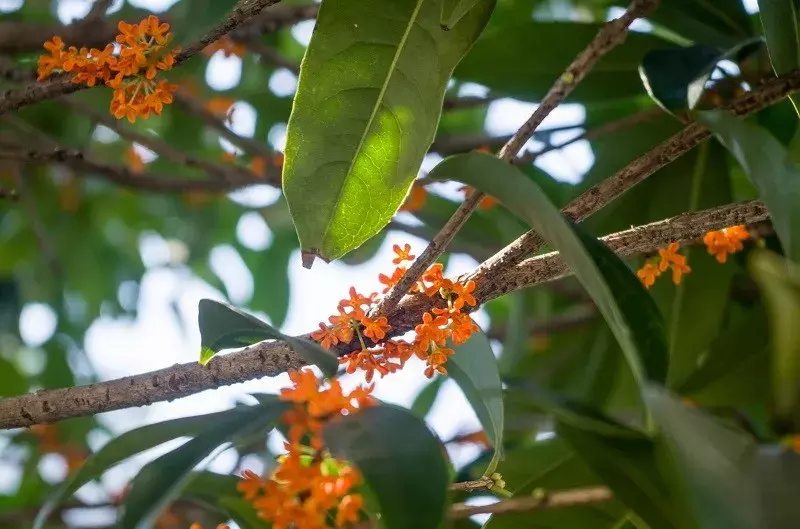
column 367, row 105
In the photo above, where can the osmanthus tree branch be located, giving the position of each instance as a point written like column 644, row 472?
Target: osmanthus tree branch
column 119, row 175
column 635, row 172
column 609, row 36
column 271, row 358
column 548, row 500
column 242, row 12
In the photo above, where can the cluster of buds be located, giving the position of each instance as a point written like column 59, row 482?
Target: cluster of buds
column 131, row 70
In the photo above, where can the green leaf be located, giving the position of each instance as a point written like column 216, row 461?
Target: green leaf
column 620, row 296
column 126, row 445
column 779, row 19
column 767, row 164
column 474, row 369
column 779, row 280
column 629, row 467
column 223, row 326
column 426, row 397
column 161, row 480
column 401, row 460
column 367, row 105
column 778, row 469
column 454, row 10
column 243, row 513
column 713, row 463
column 675, row 77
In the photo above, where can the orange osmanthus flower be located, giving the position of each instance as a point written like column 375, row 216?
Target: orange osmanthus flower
column 131, row 73
column 403, row 254
column 669, row 258
column 416, row 199
column 726, row 241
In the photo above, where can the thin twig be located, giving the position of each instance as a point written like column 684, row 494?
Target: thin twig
column 243, row 11
column 611, row 34
column 635, row 172
column 271, row 358
column 119, row 175
column 230, row 173
column 548, row 500
column 473, row 486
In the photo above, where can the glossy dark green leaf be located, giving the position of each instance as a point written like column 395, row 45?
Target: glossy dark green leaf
column 675, row 77
column 630, row 468
column 425, row 399
column 698, row 305
column 223, row 326
column 401, row 460
column 161, row 480
column 474, row 369
column 714, row 463
column 769, row 167
column 124, row 446
column 779, row 281
column 620, row 296
column 355, row 141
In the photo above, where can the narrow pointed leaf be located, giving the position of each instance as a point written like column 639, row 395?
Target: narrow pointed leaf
column 630, row 311
column 161, row 481
column 779, row 281
column 474, row 369
column 779, row 19
column 127, row 445
column 769, row 167
column 675, row 77
column 366, row 110
column 401, row 460
column 427, row 397
column 225, row 327
column 714, row 463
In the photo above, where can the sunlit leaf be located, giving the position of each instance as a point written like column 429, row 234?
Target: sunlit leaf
column 366, row 110
column 225, row 327
column 401, row 460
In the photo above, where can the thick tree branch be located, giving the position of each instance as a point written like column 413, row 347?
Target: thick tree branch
column 62, row 85
column 612, row 34
column 271, row 358
column 549, row 500
column 635, row 172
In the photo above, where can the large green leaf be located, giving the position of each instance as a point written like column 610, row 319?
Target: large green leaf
column 675, row 77
column 779, row 280
column 628, row 466
column 126, row 445
column 225, row 327
column 474, row 369
column 454, row 10
column 401, row 460
column 161, row 480
column 425, row 399
column 620, row 296
column 769, row 167
column 366, row 110
column 712, row 462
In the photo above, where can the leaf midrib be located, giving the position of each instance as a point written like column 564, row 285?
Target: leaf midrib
column 378, row 101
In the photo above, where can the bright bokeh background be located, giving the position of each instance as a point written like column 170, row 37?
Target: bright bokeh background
column 164, row 334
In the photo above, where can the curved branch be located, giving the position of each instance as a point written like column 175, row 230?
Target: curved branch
column 271, row 358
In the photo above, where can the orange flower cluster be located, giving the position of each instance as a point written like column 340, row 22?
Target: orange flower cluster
column 227, row 46
column 388, row 356
column 668, row 258
column 726, row 241
column 415, row 200
column 309, row 484
column 220, row 526
column 132, row 72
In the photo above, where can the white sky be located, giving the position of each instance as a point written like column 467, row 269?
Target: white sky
column 156, row 340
